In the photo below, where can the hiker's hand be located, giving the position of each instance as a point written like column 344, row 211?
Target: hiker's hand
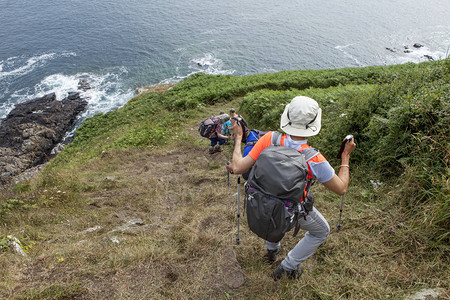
column 349, row 147
column 237, row 128
column 229, row 167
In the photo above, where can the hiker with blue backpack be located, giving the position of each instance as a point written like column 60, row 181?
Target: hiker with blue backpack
column 283, row 169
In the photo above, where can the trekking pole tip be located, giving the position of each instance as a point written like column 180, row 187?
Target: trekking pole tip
column 339, row 227
column 238, row 241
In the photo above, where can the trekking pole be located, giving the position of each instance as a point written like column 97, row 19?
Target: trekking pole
column 238, row 239
column 347, row 139
column 228, row 175
column 339, row 226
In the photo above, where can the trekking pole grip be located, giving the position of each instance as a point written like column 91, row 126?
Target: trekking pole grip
column 347, row 139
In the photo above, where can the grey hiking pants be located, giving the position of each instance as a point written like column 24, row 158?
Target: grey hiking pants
column 317, row 231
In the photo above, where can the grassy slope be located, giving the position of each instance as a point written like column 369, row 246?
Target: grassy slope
column 147, row 161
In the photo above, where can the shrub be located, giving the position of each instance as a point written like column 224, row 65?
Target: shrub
column 401, row 124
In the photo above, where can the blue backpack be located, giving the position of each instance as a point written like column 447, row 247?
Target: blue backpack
column 253, row 136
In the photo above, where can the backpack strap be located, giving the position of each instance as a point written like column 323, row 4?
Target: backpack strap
column 276, row 138
column 310, row 153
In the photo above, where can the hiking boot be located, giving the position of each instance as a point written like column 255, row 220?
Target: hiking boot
column 272, row 255
column 218, row 149
column 279, row 272
column 211, row 150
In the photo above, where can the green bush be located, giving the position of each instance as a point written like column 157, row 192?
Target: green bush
column 210, row 89
column 402, row 123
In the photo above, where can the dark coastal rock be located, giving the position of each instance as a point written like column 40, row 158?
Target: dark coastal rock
column 390, row 49
column 83, row 85
column 33, row 129
column 429, row 57
column 417, row 45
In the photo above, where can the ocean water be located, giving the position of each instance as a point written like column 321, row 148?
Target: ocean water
column 117, row 45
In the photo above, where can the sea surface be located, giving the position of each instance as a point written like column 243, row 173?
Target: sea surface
column 119, row 45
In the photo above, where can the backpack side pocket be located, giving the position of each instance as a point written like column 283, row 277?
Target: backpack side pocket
column 267, row 217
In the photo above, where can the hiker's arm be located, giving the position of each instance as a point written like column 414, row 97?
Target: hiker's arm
column 223, row 136
column 339, row 183
column 239, row 164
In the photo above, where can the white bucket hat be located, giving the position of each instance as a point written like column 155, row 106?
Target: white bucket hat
column 302, row 117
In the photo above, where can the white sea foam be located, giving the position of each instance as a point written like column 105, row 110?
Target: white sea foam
column 14, row 68
column 19, row 66
column 105, row 93
column 208, row 64
column 11, row 68
column 417, row 55
column 347, row 53
column 398, row 48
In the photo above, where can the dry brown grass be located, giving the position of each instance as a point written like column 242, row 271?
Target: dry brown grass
column 185, row 248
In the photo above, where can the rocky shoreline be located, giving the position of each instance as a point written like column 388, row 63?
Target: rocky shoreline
column 33, row 129
column 33, row 132
column 407, row 49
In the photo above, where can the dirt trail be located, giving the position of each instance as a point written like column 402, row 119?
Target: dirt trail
column 181, row 244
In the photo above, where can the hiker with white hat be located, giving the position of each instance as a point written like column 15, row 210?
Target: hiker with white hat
column 301, row 119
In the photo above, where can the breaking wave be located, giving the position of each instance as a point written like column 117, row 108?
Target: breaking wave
column 19, row 66
column 208, row 64
column 104, row 92
column 399, row 48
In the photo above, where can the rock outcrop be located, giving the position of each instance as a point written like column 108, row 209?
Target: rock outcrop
column 33, row 129
column 83, row 85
